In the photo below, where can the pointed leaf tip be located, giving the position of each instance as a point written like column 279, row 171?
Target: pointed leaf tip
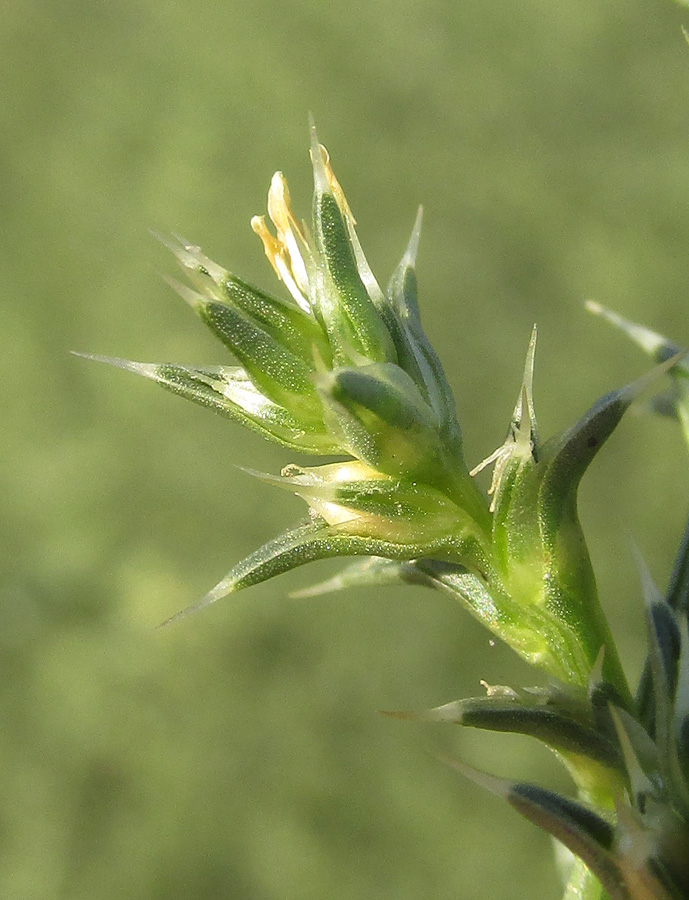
column 524, row 417
column 374, row 570
column 318, row 154
column 650, row 341
column 635, row 746
column 410, row 254
column 189, row 295
column 631, row 391
column 501, row 787
column 572, row 452
column 148, row 370
column 189, row 611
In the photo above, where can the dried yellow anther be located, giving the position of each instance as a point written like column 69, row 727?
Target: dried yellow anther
column 335, row 186
column 270, row 243
column 289, row 233
column 283, row 248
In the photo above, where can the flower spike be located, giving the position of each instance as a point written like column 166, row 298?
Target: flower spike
column 338, row 367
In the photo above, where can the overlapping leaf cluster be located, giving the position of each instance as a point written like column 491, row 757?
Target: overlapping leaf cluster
column 342, row 368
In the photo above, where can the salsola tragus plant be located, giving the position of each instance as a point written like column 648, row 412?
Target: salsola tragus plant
column 342, row 368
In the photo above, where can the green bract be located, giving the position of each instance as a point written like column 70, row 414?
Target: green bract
column 341, row 368
column 638, row 849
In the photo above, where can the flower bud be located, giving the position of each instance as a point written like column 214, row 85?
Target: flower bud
column 357, row 499
column 381, row 417
column 354, row 326
column 538, row 547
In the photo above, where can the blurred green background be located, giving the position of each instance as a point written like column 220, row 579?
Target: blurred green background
column 240, row 754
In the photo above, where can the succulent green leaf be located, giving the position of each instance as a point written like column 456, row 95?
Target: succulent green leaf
column 528, row 715
column 414, row 352
column 285, row 322
column 382, row 417
column 567, row 583
column 315, row 540
column 538, row 548
column 230, row 392
column 568, row 456
column 402, row 288
column 453, row 579
column 354, row 326
column 282, row 319
column 368, row 279
column 279, row 373
column 579, row 828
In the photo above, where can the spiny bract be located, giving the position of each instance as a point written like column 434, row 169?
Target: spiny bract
column 341, row 368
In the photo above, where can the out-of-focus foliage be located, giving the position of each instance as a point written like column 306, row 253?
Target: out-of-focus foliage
column 238, row 754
